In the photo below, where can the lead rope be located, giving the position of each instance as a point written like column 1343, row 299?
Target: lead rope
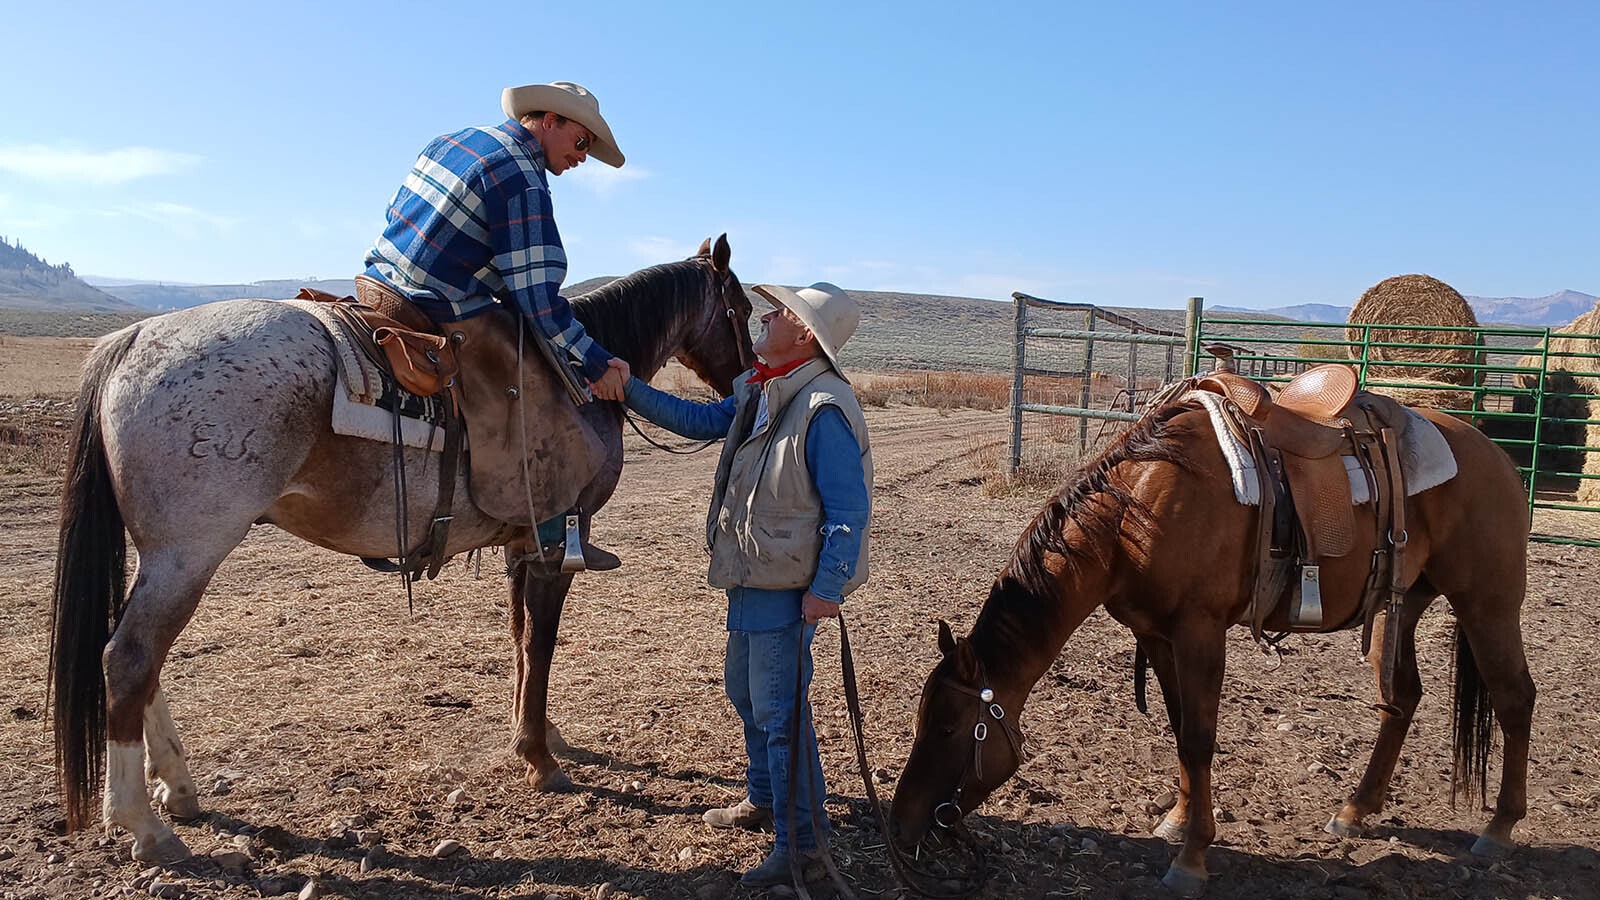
column 898, row 860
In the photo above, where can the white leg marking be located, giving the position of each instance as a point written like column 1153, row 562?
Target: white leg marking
column 166, row 762
column 127, row 805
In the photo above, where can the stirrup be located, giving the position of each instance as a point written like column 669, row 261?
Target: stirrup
column 577, row 555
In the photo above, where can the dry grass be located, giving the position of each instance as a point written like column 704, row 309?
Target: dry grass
column 33, row 435
column 41, row 366
column 938, row 390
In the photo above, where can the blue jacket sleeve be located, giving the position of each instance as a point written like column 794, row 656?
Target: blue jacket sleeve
column 695, row 421
column 834, row 458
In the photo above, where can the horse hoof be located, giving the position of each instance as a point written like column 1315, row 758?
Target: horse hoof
column 1486, row 847
column 1171, row 831
column 1340, row 828
column 556, row 782
column 180, row 806
column 1183, row 882
column 166, row 851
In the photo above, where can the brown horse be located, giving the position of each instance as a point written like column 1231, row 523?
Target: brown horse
column 194, row 425
column 1131, row 532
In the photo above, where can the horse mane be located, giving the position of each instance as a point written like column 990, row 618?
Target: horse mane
column 633, row 316
column 1100, row 505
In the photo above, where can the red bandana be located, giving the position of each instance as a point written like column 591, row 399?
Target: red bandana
column 765, row 373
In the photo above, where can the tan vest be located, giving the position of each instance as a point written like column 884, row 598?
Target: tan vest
column 764, row 528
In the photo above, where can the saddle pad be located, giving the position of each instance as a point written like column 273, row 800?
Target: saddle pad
column 1425, row 457
column 364, row 406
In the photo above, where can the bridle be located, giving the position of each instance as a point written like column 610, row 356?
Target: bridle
column 719, row 287
column 948, row 814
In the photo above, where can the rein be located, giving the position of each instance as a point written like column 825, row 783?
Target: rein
column 628, row 414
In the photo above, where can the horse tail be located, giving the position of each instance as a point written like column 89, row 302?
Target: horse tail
column 91, row 554
column 1472, row 725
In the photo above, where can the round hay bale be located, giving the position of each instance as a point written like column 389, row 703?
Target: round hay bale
column 1428, row 395
column 1585, row 338
column 1407, row 302
column 1567, row 378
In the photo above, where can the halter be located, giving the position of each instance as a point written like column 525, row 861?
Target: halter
column 948, row 814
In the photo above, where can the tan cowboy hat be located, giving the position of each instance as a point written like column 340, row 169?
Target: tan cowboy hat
column 830, row 313
column 572, row 101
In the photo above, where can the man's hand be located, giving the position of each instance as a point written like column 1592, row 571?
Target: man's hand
column 815, row 609
column 611, row 384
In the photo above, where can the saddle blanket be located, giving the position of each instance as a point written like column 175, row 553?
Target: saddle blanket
column 1425, row 457
column 365, row 401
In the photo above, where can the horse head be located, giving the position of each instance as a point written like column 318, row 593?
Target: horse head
column 716, row 346
column 967, row 743
column 694, row 310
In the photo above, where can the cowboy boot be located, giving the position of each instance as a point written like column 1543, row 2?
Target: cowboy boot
column 774, row 870
column 743, row 814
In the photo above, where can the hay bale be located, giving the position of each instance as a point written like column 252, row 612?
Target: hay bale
column 1581, row 335
column 1429, row 395
column 1409, row 301
column 1566, row 377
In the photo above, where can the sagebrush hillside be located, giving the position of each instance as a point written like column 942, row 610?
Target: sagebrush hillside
column 29, row 283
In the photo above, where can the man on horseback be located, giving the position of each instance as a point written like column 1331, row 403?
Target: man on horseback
column 473, row 225
column 787, row 533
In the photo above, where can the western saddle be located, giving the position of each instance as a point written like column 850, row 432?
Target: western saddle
column 394, row 333
column 1298, row 440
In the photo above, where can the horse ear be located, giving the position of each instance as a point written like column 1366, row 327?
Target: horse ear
column 705, row 248
column 720, row 254
column 966, row 661
column 947, row 641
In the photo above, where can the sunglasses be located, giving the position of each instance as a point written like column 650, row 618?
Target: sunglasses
column 582, row 144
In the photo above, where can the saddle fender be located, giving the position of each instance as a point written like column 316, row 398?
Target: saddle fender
column 511, row 419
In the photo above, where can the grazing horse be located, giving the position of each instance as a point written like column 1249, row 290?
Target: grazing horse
column 194, row 425
column 1152, row 531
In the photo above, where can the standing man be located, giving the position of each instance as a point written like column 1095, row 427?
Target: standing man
column 473, row 224
column 787, row 532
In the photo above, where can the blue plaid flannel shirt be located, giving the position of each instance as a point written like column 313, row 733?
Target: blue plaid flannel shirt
column 473, row 224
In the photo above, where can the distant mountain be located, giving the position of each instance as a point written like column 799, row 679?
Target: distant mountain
column 1304, row 312
column 1552, row 310
column 1539, row 312
column 162, row 296
column 28, row 282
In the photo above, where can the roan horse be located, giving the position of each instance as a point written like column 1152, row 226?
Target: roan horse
column 1151, row 531
column 196, row 424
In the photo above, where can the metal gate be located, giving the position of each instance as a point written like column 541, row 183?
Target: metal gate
column 1084, row 362
column 1535, row 391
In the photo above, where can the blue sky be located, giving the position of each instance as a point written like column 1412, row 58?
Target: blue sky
column 1126, row 154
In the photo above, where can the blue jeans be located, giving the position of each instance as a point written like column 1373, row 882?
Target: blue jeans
column 759, row 675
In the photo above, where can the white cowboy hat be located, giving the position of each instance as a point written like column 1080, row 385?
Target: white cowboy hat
column 830, row 313
column 572, row 101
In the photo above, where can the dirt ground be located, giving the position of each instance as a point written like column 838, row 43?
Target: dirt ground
column 322, row 716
